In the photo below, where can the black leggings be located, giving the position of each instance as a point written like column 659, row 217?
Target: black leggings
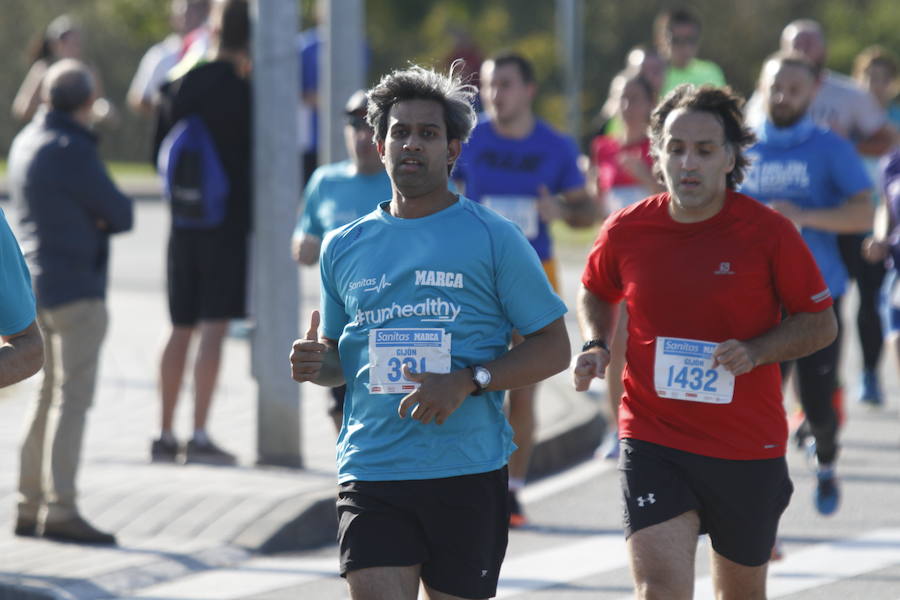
column 868, row 278
column 816, row 382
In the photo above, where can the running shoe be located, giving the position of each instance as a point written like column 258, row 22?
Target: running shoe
column 828, row 494
column 870, row 390
column 164, row 451
column 208, row 453
column 516, row 514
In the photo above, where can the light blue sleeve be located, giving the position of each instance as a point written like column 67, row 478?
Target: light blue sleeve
column 528, row 300
column 17, row 310
column 309, row 222
column 571, row 176
column 334, row 313
column 848, row 170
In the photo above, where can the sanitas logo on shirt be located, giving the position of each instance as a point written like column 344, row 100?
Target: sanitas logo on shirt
column 439, row 278
column 432, row 310
column 371, row 284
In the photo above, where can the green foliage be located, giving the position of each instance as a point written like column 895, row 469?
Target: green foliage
column 737, row 36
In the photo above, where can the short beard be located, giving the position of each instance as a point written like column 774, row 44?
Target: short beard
column 785, row 122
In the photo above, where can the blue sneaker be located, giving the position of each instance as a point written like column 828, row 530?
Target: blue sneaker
column 828, row 494
column 870, row 392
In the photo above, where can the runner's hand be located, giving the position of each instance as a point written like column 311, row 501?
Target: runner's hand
column 438, row 395
column 875, row 251
column 548, row 205
column 737, row 357
column 588, row 365
column 308, row 353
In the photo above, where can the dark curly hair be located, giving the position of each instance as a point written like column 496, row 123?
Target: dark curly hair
column 722, row 103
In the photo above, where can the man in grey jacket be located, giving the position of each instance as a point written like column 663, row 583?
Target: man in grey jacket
column 68, row 207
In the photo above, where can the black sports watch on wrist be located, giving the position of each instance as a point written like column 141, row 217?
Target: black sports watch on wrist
column 482, row 379
column 595, row 343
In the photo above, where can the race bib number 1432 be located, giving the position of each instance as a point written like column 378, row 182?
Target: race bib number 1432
column 683, row 370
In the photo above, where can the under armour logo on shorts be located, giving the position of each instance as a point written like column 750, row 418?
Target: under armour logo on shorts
column 648, row 500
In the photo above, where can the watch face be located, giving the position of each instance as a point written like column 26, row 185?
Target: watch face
column 482, row 376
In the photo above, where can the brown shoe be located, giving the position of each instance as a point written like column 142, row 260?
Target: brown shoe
column 25, row 527
column 77, row 530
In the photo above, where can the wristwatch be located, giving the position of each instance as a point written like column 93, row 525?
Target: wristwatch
column 594, row 343
column 482, row 379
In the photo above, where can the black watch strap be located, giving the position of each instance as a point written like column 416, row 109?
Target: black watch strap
column 594, row 343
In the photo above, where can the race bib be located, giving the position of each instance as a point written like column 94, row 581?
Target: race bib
column 521, row 210
column 683, row 370
column 420, row 349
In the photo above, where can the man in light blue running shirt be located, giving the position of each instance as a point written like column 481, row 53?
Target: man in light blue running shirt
column 21, row 346
column 815, row 178
column 419, row 299
column 337, row 194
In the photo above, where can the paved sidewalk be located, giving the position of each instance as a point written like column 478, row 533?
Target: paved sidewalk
column 176, row 520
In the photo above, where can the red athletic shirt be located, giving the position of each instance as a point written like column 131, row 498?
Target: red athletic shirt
column 723, row 278
column 605, row 151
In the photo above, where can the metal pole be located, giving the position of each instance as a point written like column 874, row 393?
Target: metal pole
column 342, row 72
column 276, row 188
column 570, row 44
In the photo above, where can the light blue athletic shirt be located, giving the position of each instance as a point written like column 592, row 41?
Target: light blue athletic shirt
column 813, row 168
column 463, row 269
column 493, row 166
column 16, row 296
column 336, row 194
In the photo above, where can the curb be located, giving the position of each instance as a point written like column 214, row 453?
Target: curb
column 315, row 521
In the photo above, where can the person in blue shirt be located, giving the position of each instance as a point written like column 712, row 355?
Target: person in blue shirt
column 419, row 299
column 516, row 164
column 21, row 345
column 815, row 178
column 337, row 194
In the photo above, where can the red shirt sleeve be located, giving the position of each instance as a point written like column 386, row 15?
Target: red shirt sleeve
column 601, row 274
column 798, row 281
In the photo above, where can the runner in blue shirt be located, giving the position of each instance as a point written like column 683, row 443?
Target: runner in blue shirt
column 21, row 347
column 815, row 178
column 337, row 194
column 419, row 299
column 519, row 166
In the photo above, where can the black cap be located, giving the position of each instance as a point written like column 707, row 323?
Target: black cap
column 357, row 103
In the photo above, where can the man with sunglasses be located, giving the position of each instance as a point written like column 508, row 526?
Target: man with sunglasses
column 337, row 194
column 678, row 40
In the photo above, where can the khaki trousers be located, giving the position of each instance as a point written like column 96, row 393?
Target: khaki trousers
column 51, row 448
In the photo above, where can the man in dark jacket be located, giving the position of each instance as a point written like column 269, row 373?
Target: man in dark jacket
column 207, row 268
column 68, row 207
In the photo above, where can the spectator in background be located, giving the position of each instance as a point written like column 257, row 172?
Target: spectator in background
column 337, row 194
column 520, row 167
column 68, row 209
column 184, row 16
column 624, row 175
column 62, row 39
column 677, row 35
column 207, row 267
column 467, row 50
column 883, row 246
column 845, row 108
column 647, row 62
column 308, row 43
column 876, row 70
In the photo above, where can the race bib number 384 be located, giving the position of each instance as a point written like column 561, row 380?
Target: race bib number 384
column 683, row 370
column 419, row 349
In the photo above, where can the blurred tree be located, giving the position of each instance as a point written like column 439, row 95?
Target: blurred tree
column 736, row 35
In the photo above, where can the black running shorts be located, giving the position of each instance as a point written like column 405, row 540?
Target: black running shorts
column 739, row 501
column 207, row 275
column 455, row 527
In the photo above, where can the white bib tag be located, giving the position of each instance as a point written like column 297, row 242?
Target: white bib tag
column 683, row 371
column 521, row 210
column 420, row 349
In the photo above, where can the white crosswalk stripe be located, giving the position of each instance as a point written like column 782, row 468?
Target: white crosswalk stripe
column 803, row 569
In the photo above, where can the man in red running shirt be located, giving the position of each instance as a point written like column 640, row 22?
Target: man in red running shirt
column 704, row 272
